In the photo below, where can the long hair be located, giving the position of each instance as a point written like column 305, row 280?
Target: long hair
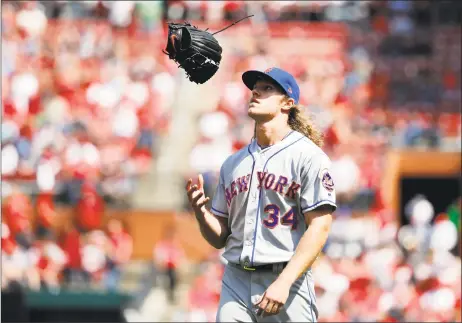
column 299, row 122
column 303, row 124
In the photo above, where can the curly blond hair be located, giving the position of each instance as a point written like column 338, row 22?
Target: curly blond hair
column 303, row 124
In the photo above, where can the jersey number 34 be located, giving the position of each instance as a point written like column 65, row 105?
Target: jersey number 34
column 274, row 218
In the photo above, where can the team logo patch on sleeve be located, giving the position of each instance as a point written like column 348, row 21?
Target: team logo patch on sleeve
column 328, row 182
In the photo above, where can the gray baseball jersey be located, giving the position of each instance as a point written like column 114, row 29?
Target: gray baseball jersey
column 264, row 193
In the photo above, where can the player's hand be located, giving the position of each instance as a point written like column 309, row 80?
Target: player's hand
column 196, row 195
column 272, row 301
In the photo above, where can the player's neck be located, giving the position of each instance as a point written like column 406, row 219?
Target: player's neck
column 269, row 133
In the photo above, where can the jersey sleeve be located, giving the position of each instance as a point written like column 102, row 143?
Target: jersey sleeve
column 219, row 206
column 317, row 185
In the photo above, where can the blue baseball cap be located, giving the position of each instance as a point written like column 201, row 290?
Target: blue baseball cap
column 277, row 75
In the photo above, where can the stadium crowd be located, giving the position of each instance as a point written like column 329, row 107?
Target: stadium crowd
column 83, row 104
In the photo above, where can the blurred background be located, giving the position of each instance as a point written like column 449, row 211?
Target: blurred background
column 100, row 131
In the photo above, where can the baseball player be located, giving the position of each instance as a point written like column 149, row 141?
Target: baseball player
column 272, row 209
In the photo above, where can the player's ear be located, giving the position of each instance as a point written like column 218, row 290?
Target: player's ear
column 287, row 104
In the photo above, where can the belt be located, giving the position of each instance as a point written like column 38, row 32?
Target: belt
column 276, row 267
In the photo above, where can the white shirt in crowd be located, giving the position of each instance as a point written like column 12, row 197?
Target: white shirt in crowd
column 346, row 174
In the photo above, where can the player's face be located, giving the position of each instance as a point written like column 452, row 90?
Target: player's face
column 266, row 100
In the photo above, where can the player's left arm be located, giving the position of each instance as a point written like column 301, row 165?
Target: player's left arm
column 317, row 201
column 310, row 246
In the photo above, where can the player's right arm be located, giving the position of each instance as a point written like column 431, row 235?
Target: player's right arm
column 213, row 228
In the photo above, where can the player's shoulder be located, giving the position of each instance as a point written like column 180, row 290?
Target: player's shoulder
column 236, row 158
column 312, row 151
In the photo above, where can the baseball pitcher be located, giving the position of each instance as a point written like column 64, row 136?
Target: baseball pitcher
column 272, row 209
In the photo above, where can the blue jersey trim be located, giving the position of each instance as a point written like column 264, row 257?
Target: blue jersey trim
column 286, row 136
column 259, row 197
column 253, row 166
column 220, row 213
column 322, row 202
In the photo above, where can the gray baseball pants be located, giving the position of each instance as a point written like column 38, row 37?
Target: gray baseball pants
column 241, row 289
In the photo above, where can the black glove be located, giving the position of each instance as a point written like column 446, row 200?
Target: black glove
column 196, row 51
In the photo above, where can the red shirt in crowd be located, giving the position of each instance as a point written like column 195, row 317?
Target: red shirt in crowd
column 71, row 247
column 45, row 209
column 42, row 260
column 8, row 244
column 17, row 210
column 90, row 208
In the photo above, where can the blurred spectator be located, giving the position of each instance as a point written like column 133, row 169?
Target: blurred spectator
column 121, row 13
column 454, row 213
column 94, row 255
column 150, row 14
column 31, row 18
column 204, row 293
column 90, row 208
column 18, row 264
column 74, row 274
column 46, row 214
column 421, row 133
column 346, row 174
column 17, row 211
column 401, row 23
column 51, row 260
column 120, row 250
column 416, row 236
column 10, row 158
column 168, row 256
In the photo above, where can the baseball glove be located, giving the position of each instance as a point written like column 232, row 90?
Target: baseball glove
column 196, row 51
